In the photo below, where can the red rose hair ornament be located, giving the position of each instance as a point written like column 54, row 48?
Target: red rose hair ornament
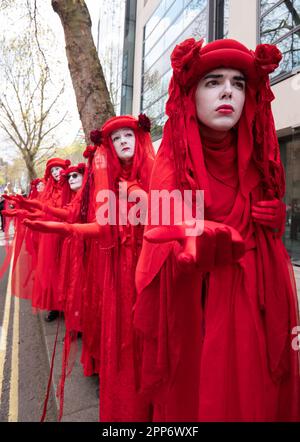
column 144, row 122
column 267, row 58
column 96, row 136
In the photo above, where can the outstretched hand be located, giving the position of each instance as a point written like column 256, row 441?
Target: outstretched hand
column 219, row 244
column 21, row 213
column 10, row 197
column 49, row 227
column 11, row 213
column 29, row 203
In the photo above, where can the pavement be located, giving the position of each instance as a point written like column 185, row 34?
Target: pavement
column 81, row 402
column 24, row 368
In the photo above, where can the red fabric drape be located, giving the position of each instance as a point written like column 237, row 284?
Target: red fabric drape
column 217, row 346
column 108, row 334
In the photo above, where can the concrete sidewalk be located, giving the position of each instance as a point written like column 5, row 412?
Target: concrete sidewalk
column 81, row 400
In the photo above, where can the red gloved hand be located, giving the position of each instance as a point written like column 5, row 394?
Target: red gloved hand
column 21, row 213
column 49, row 227
column 30, row 204
column 269, row 213
column 9, row 212
column 35, row 215
column 14, row 212
column 219, row 244
column 10, row 197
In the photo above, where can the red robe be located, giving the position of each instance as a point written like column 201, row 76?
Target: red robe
column 44, row 294
column 25, row 256
column 109, row 337
column 217, row 346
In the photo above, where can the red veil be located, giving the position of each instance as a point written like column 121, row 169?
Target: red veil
column 194, row 359
column 49, row 245
column 110, row 294
column 25, row 251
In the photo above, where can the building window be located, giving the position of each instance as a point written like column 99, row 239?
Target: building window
column 290, row 155
column 280, row 25
column 128, row 57
column 171, row 23
column 226, row 19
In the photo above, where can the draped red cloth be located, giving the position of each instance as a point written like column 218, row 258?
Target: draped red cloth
column 217, row 346
column 25, row 253
column 9, row 245
column 71, row 282
column 108, row 334
column 44, row 295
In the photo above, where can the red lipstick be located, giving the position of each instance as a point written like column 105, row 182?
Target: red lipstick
column 225, row 109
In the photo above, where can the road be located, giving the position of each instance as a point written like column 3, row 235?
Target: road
column 24, row 369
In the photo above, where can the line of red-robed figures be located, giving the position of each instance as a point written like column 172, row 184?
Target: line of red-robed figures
column 188, row 349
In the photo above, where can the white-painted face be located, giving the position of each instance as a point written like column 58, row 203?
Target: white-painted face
column 220, row 98
column 55, row 172
column 40, row 186
column 75, row 180
column 124, row 143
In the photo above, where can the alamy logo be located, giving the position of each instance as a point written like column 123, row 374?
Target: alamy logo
column 296, row 339
column 158, row 208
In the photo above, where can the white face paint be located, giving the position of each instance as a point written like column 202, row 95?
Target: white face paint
column 55, row 172
column 40, row 186
column 75, row 180
column 220, row 98
column 124, row 143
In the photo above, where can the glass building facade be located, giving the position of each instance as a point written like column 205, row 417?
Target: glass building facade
column 290, row 155
column 172, row 22
column 280, row 25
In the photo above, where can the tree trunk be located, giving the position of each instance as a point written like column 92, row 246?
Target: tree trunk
column 30, row 167
column 93, row 101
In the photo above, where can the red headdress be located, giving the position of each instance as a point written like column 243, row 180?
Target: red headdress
column 256, row 133
column 111, row 167
column 33, row 192
column 55, row 162
column 67, row 192
column 51, row 184
column 79, row 168
column 144, row 153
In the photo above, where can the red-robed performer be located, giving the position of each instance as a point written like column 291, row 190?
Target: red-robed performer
column 26, row 247
column 23, row 244
column 124, row 156
column 79, row 285
column 57, row 194
column 219, row 342
column 74, row 257
column 70, row 212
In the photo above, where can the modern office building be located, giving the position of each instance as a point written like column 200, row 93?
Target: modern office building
column 109, row 43
column 153, row 28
